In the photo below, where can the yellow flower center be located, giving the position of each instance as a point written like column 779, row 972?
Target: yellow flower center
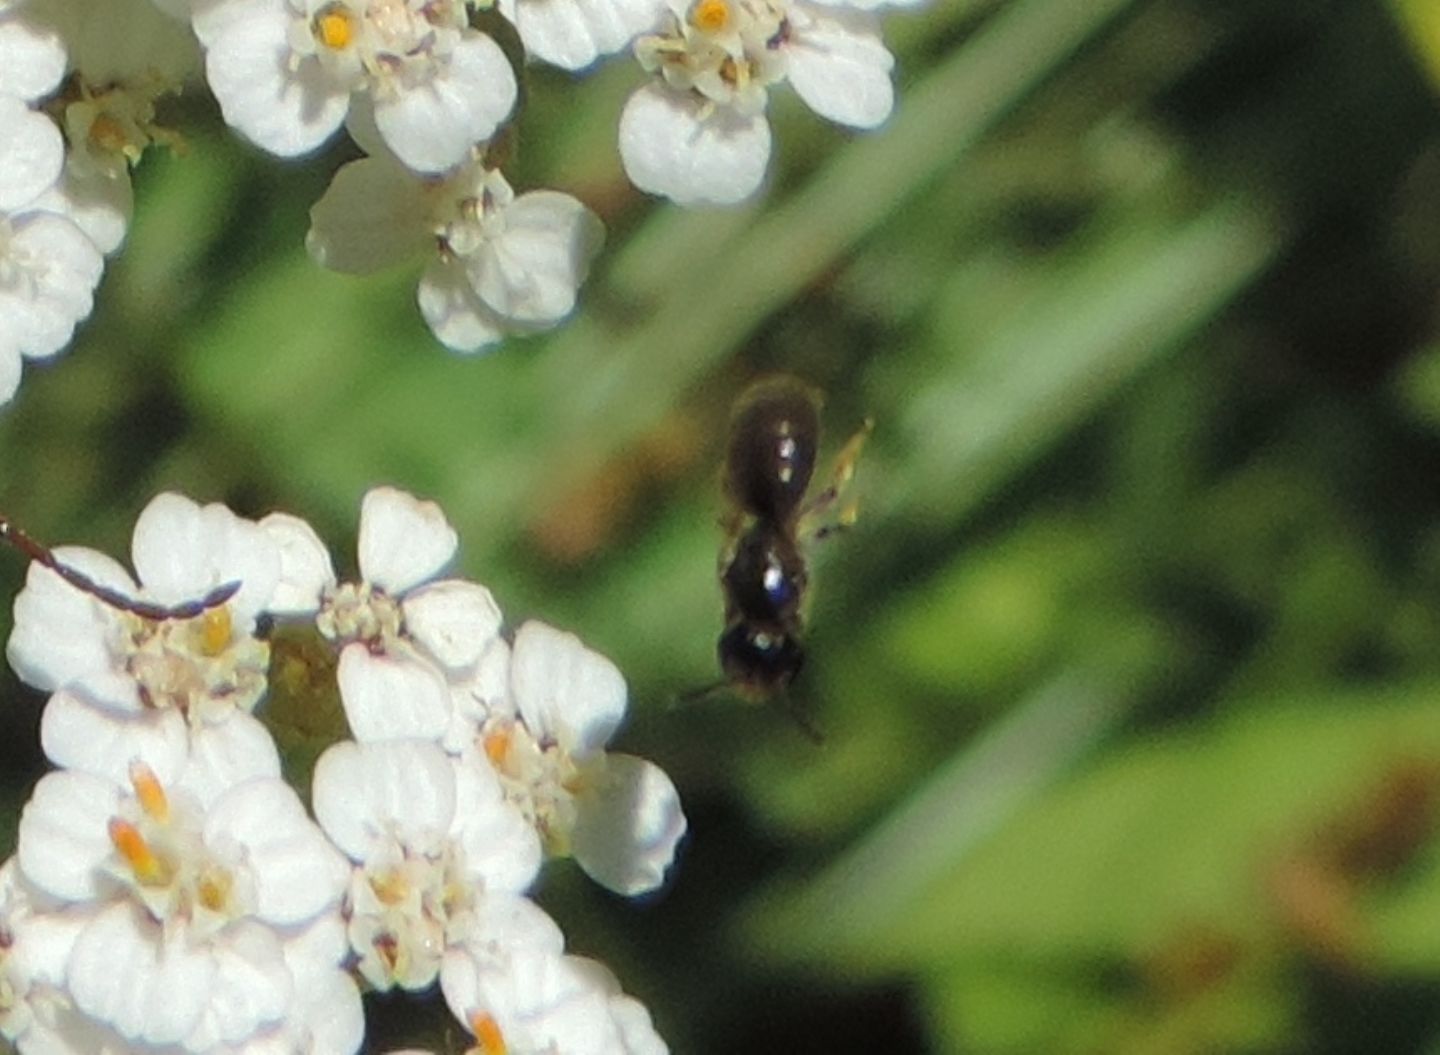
column 215, row 629
column 711, row 16
column 334, row 27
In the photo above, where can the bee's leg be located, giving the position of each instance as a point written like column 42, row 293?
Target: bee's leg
column 800, row 718
column 840, row 480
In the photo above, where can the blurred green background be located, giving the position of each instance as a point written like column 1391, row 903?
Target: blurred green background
column 1130, row 671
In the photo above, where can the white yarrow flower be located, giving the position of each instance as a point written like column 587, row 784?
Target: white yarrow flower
column 534, row 1002
column 35, row 943
column 401, row 634
column 285, row 71
column 205, row 668
column 195, row 919
column 499, row 263
column 48, row 273
column 48, row 267
column 618, row 815
column 438, row 857
column 698, row 133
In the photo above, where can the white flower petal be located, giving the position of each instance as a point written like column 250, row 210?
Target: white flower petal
column 112, row 689
column 531, row 272
column 42, row 948
column 251, row 987
column 182, row 550
column 628, row 826
column 34, row 153
column 305, row 568
column 120, row 973
column 454, row 621
column 503, row 923
column 365, row 792
column 298, row 873
column 330, row 1014
column 64, row 834
column 564, row 691
column 32, row 59
column 317, row 947
column 637, row 1031
column 99, row 199
column 226, row 753
column 574, row 33
column 247, row 63
column 373, row 214
column 60, row 633
column 431, row 127
column 360, row 123
column 840, row 66
column 501, row 848
column 669, row 149
column 540, row 1001
column 485, row 692
column 75, row 734
column 388, row 697
column 454, row 312
column 61, row 291
column 404, row 540
column 9, row 369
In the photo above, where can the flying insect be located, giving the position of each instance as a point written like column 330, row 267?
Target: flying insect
column 769, row 463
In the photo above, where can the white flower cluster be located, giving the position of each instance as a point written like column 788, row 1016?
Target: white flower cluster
column 422, row 90
column 170, row 894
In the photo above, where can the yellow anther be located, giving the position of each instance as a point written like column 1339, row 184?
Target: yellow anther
column 149, row 792
column 215, row 630
column 497, row 746
column 390, row 888
column 109, row 134
column 334, row 27
column 144, row 862
column 488, row 1038
column 735, row 74
column 711, row 16
column 213, row 890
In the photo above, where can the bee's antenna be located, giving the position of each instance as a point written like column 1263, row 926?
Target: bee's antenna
column 41, row 554
column 801, row 719
column 690, row 696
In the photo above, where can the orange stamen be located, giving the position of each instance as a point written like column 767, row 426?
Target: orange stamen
column 711, row 16
column 149, row 792
column 149, row 869
column 497, row 746
column 490, row 1041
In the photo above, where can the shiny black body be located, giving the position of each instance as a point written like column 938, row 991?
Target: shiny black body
column 771, row 454
column 769, row 461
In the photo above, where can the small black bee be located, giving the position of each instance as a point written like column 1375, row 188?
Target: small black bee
column 11, row 533
column 769, row 462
